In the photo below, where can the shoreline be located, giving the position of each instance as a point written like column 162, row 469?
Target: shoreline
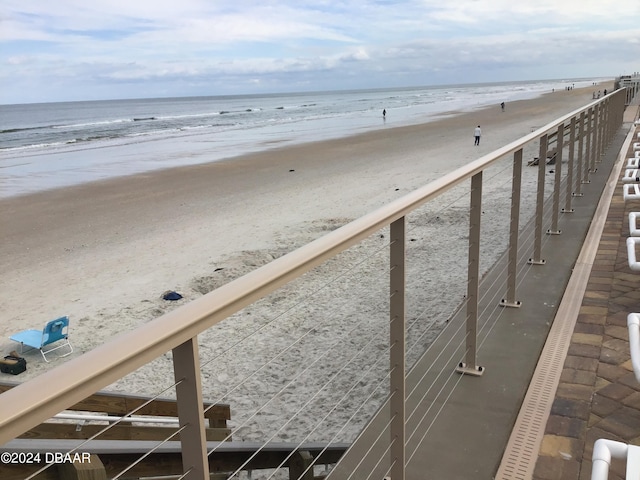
column 88, row 162
column 104, row 252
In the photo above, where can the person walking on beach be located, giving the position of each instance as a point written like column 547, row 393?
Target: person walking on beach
column 502, row 106
column 384, row 113
column 477, row 133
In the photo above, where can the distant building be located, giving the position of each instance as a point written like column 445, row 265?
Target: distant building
column 631, row 83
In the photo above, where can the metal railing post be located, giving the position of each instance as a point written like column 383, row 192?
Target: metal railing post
column 557, row 183
column 602, row 141
column 579, row 180
column 593, row 130
column 606, row 125
column 469, row 366
column 570, row 166
column 615, row 108
column 606, row 137
column 397, row 284
column 514, row 228
column 186, row 368
column 587, row 148
column 537, row 242
column 617, row 112
column 601, row 119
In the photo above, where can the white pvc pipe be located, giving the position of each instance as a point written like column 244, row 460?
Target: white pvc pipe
column 633, row 462
column 630, row 191
column 633, row 322
column 631, row 253
column 114, row 419
column 603, row 451
column 631, row 175
column 634, row 231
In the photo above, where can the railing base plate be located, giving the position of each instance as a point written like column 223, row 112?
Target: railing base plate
column 531, row 261
column 505, row 303
column 476, row 371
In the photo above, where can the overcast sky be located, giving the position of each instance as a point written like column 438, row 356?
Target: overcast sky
column 55, row 50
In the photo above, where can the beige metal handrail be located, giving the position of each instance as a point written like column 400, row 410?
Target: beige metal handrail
column 30, row 404
column 37, row 400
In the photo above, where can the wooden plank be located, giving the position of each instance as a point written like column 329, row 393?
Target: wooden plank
column 301, row 465
column 91, row 470
column 22, row 471
column 117, row 432
column 122, row 404
column 167, row 459
column 219, row 461
column 170, row 463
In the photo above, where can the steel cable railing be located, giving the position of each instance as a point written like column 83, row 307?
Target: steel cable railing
column 343, row 398
column 307, row 299
column 113, row 423
column 326, row 353
column 563, row 188
column 547, row 216
column 193, row 327
column 489, row 314
column 327, row 349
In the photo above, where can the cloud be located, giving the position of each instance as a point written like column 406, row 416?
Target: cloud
column 144, row 47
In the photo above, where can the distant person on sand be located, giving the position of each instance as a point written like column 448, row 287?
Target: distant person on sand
column 502, row 106
column 477, row 133
column 384, row 113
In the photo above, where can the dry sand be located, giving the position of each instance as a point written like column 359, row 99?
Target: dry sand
column 104, row 252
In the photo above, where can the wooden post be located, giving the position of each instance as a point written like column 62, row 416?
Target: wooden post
column 301, row 466
column 93, row 469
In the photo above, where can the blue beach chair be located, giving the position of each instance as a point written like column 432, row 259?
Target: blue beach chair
column 55, row 331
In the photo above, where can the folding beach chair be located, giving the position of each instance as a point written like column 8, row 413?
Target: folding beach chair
column 56, row 331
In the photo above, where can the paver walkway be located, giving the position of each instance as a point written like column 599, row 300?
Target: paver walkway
column 598, row 395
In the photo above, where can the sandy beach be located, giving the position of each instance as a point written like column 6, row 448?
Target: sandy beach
column 104, row 252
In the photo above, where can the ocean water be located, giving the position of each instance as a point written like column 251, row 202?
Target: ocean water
column 51, row 145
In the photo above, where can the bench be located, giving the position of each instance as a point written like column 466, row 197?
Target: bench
column 157, row 420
